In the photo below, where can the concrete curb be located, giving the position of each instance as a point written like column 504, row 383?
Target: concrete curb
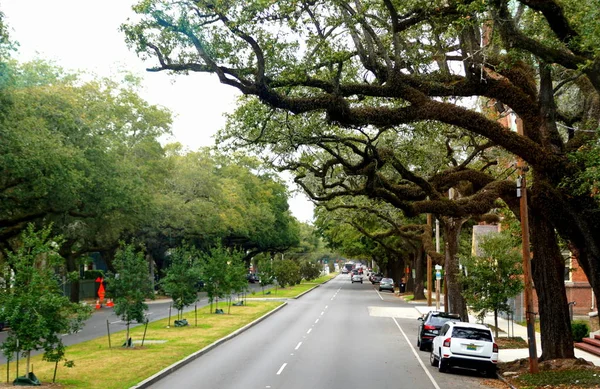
column 170, row 369
column 506, row 382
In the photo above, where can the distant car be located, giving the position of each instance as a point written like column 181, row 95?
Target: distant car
column 429, row 327
column 465, row 345
column 375, row 278
column 345, row 271
column 357, row 278
column 386, row 284
column 252, row 278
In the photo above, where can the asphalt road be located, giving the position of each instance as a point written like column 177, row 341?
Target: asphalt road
column 340, row 335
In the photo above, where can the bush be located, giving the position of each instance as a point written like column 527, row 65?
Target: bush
column 580, row 330
column 93, row 274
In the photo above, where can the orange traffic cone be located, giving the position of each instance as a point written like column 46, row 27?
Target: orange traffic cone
column 110, row 303
column 98, row 306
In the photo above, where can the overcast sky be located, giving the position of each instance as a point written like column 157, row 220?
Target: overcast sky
column 84, row 35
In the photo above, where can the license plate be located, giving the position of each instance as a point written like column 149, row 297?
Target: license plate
column 471, row 347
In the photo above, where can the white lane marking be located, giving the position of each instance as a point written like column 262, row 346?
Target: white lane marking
column 322, row 313
column 298, row 346
column 309, row 330
column 326, row 306
column 316, row 321
column 379, row 294
column 435, row 385
column 283, row 367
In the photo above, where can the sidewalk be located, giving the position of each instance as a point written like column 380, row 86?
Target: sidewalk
column 507, row 355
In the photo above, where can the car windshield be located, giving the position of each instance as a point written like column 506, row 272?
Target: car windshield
column 387, row 280
column 472, row 333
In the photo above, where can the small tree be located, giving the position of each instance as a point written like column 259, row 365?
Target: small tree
column 494, row 277
column 235, row 275
column 181, row 278
column 287, row 272
column 130, row 286
column 266, row 274
column 213, row 268
column 33, row 302
column 310, row 270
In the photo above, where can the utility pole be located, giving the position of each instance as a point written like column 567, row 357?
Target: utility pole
column 529, row 313
column 429, row 268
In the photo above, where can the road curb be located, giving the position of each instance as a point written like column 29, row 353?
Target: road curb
column 506, row 382
column 170, row 369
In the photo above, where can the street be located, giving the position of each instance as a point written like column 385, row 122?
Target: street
column 340, row 335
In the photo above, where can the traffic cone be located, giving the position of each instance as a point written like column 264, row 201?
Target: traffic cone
column 98, row 306
column 110, row 303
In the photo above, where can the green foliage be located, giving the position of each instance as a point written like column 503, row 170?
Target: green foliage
column 223, row 272
column 494, row 277
column 287, row 272
column 33, row 302
column 131, row 285
column 580, row 330
column 182, row 276
column 93, row 274
column 310, row 270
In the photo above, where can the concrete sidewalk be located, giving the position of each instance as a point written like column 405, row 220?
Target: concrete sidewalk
column 507, row 355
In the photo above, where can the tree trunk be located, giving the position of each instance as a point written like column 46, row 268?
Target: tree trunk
column 548, row 277
column 456, row 302
column 28, row 363
column 496, row 322
column 420, row 265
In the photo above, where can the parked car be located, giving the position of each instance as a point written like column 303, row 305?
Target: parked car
column 356, row 278
column 386, row 284
column 375, row 278
column 465, row 345
column 252, row 278
column 345, row 270
column 429, row 327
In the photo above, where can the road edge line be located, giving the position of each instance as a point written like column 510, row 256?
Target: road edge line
column 435, row 385
column 179, row 364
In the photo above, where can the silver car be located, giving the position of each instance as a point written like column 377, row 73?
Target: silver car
column 386, row 284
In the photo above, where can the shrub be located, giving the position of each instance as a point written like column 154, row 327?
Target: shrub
column 580, row 330
column 93, row 274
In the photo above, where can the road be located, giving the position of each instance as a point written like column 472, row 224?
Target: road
column 340, row 335
column 96, row 327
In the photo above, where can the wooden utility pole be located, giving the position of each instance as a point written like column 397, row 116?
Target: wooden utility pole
column 429, row 268
column 529, row 313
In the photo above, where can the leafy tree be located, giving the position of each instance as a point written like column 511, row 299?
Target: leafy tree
column 130, row 286
column 373, row 69
column 494, row 276
column 181, row 279
column 287, row 272
column 223, row 272
column 266, row 273
column 32, row 300
column 310, row 270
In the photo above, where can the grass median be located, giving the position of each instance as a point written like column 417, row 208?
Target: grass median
column 292, row 291
column 98, row 366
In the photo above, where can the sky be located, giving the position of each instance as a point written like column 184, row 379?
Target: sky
column 84, row 35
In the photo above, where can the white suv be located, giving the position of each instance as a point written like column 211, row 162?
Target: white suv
column 465, row 345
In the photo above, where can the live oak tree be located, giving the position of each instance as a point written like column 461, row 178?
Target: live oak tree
column 389, row 65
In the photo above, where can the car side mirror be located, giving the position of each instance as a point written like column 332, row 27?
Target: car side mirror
column 420, row 318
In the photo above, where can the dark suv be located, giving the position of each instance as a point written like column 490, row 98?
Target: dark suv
column 429, row 327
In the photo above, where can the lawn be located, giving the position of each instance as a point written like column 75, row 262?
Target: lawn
column 292, row 291
column 96, row 366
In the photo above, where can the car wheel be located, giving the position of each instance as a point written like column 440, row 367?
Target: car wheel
column 432, row 359
column 491, row 372
column 418, row 342
column 361, row 282
column 442, row 364
column 380, row 289
column 422, row 347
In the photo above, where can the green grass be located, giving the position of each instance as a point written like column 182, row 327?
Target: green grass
column 99, row 367
column 524, row 324
column 293, row 291
column 568, row 378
